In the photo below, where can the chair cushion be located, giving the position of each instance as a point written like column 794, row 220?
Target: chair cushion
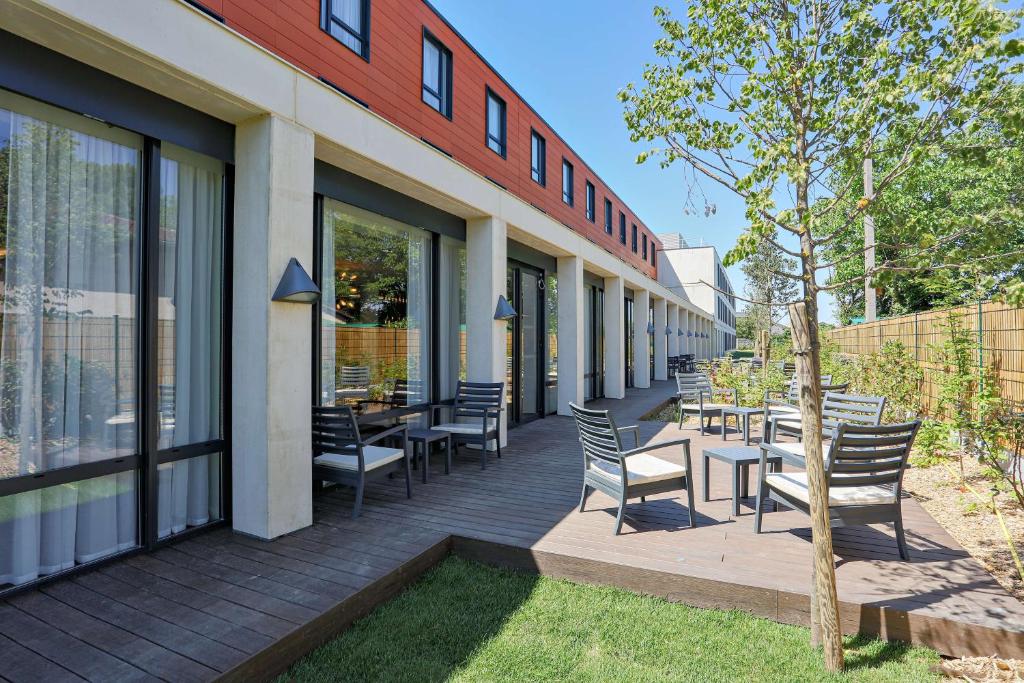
column 708, row 407
column 797, row 448
column 373, row 457
column 794, row 484
column 465, row 427
column 352, row 393
column 642, row 468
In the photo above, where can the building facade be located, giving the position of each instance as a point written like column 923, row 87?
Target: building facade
column 697, row 273
column 161, row 163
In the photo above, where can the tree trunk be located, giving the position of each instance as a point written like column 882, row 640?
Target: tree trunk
column 824, row 596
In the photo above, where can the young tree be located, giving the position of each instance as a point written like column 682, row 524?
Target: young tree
column 770, row 283
column 771, row 99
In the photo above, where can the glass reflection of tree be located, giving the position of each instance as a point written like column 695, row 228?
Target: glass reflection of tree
column 371, row 273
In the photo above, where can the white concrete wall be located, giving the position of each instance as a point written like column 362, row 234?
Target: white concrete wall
column 570, row 333
column 271, row 342
column 614, row 338
column 661, row 339
column 641, row 340
column 486, row 264
column 673, row 323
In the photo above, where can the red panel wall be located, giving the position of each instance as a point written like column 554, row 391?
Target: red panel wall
column 390, row 83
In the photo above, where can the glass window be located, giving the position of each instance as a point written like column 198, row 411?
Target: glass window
column 643, row 243
column 495, row 123
column 622, row 227
column 654, row 260
column 632, row 239
column 538, row 159
column 375, row 307
column 608, row 216
column 590, row 201
column 348, row 21
column 452, row 315
column 567, row 189
column 70, row 193
column 437, row 75
column 189, row 324
column 551, row 303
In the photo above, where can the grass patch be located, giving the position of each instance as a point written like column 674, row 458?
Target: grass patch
column 467, row 622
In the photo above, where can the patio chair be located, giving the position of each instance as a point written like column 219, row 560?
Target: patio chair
column 835, row 409
column 624, row 474
column 342, row 456
column 354, row 383
column 864, row 467
column 475, row 416
column 787, row 401
column 696, row 397
column 401, row 394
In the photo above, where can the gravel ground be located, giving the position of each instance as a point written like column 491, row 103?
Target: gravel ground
column 973, row 526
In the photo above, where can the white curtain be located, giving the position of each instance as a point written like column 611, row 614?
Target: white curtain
column 68, row 290
column 452, row 314
column 418, row 310
column 191, row 220
column 328, row 314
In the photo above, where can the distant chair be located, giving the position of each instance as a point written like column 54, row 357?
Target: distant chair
column 475, row 415
column 624, row 474
column 696, row 397
column 835, row 409
column 342, row 456
column 864, row 467
column 787, row 401
column 354, row 383
column 401, row 393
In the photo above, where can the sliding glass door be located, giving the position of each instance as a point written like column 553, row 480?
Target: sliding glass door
column 111, row 315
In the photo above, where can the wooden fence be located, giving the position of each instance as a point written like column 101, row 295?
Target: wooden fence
column 998, row 331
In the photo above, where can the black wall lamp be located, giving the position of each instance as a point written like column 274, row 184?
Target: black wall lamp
column 650, row 327
column 504, row 310
column 296, row 286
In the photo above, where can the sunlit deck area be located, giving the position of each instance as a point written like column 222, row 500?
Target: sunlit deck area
column 222, row 605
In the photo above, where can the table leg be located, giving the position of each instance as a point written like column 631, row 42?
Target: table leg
column 746, row 429
column 724, row 419
column 745, row 485
column 706, row 486
column 426, row 460
column 448, row 455
column 735, row 490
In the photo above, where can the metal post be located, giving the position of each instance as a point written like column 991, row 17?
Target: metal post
column 870, row 305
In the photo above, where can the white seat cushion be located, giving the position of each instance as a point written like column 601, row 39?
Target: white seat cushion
column 352, row 393
column 642, row 469
column 373, row 457
column 465, row 427
column 708, row 407
column 797, row 448
column 794, row 484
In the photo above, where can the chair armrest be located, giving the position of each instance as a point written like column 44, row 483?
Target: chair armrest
column 433, row 408
column 388, row 432
column 727, row 390
column 655, row 446
column 636, row 433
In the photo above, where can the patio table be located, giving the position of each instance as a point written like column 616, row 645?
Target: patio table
column 740, row 458
column 740, row 413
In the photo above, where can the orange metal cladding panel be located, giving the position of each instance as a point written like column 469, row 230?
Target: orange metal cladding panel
column 391, row 84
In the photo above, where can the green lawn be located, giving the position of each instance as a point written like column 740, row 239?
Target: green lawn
column 467, row 622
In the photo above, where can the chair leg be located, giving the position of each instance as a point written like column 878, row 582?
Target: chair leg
column 757, row 506
column 359, row 499
column 408, row 471
column 483, row 453
column 448, row 456
column 497, row 442
column 680, row 415
column 620, row 517
column 691, row 511
column 901, row 539
column 583, row 496
column 700, row 422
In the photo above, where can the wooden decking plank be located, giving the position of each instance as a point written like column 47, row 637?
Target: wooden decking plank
column 18, row 664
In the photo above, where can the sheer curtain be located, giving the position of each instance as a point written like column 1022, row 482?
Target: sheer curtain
column 328, row 315
column 191, row 227
column 452, row 315
column 72, row 194
column 417, row 312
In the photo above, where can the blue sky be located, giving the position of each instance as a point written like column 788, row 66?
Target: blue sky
column 569, row 58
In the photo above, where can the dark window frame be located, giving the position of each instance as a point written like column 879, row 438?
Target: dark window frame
column 445, row 71
column 569, row 198
column 609, row 217
column 643, row 246
column 633, row 238
column 591, row 201
column 539, row 165
column 362, row 34
column 490, row 95
column 622, row 227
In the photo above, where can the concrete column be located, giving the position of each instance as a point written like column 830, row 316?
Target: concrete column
column 660, row 339
column 614, row 338
column 690, row 331
column 570, row 333
column 271, row 468
column 641, row 340
column 673, row 323
column 486, row 267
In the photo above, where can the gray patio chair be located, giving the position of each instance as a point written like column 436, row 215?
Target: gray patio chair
column 864, row 467
column 697, row 397
column 342, row 456
column 475, row 416
column 835, row 409
column 624, row 474
column 354, row 383
column 787, row 401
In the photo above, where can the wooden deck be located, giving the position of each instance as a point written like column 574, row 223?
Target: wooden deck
column 226, row 606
